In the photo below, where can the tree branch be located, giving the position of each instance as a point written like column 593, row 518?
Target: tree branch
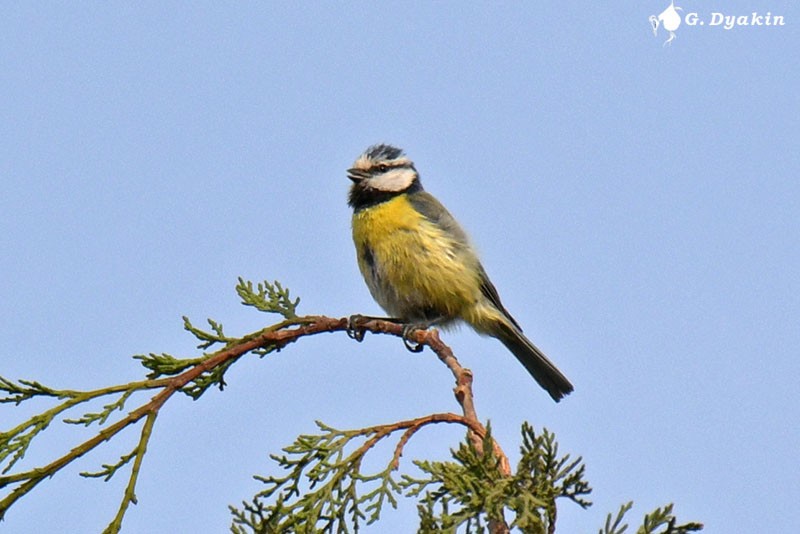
column 541, row 477
column 463, row 393
column 275, row 337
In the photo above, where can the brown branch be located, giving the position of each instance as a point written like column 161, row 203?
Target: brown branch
column 265, row 338
column 411, row 427
column 277, row 336
column 463, row 393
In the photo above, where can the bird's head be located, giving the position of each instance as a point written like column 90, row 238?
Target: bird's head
column 383, row 169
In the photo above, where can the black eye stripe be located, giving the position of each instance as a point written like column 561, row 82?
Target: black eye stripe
column 384, row 167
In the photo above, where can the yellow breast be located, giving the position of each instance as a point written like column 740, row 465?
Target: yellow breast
column 414, row 268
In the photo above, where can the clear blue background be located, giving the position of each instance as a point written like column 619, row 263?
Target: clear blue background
column 636, row 205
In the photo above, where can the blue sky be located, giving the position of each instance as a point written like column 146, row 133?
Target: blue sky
column 635, row 204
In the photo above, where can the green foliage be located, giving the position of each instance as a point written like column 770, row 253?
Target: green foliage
column 166, row 373
column 659, row 521
column 165, row 364
column 324, row 487
column 268, row 297
column 207, row 338
column 617, row 526
column 325, row 490
column 321, row 489
column 102, row 416
column 265, row 296
column 472, row 490
column 214, row 377
column 14, row 443
column 109, row 470
column 18, row 392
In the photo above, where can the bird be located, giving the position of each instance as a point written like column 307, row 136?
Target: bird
column 421, row 267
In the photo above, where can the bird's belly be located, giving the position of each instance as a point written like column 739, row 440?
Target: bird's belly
column 416, row 272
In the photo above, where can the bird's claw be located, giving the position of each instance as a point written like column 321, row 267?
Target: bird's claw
column 356, row 331
column 411, row 344
column 353, row 330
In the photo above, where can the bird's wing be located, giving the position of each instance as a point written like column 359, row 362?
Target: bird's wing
column 490, row 292
column 435, row 212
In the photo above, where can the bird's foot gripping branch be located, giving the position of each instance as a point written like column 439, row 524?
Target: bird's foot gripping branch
column 325, row 487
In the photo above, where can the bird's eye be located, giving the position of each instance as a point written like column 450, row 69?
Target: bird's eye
column 383, row 167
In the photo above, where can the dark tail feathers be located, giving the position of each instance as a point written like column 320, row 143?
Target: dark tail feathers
column 538, row 365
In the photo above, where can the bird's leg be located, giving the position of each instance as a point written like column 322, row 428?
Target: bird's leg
column 356, row 332
column 408, row 331
column 410, row 328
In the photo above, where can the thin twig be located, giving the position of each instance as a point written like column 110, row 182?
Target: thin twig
column 274, row 337
column 130, row 491
column 463, row 393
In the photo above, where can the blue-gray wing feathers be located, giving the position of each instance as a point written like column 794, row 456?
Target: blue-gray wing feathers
column 435, row 212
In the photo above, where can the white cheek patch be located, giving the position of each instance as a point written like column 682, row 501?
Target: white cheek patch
column 393, row 180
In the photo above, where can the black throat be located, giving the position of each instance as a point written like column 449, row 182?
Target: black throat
column 362, row 197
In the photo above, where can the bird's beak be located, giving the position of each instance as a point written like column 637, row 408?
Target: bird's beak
column 356, row 175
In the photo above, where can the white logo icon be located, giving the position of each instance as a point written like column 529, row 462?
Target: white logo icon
column 669, row 18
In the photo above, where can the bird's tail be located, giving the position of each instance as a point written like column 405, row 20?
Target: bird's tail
column 538, row 365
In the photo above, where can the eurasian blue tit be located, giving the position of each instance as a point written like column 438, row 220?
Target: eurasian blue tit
column 419, row 264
